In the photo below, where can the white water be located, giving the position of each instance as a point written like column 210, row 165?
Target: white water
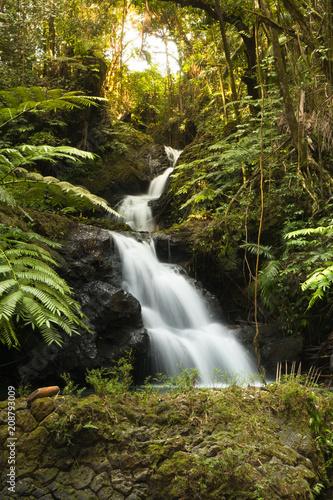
column 135, row 209
column 178, row 323
column 177, row 320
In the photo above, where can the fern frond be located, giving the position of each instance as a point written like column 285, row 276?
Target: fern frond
column 309, row 230
column 263, row 250
column 20, row 100
column 47, row 300
column 35, row 311
column 9, row 303
column 297, row 243
column 317, row 295
column 321, row 278
column 320, row 281
column 5, row 269
column 33, row 293
column 35, row 268
column 63, row 301
column 7, row 333
column 50, row 335
column 22, row 250
column 52, row 281
column 7, row 285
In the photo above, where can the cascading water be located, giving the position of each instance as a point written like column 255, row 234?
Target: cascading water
column 180, row 330
column 135, row 209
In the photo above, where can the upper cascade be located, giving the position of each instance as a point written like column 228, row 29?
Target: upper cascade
column 135, row 209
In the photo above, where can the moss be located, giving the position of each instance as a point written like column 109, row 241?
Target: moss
column 235, row 443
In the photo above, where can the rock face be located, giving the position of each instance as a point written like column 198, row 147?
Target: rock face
column 218, row 444
column 91, row 266
column 274, row 345
column 128, row 173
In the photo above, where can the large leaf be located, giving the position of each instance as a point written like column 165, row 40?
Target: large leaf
column 31, row 292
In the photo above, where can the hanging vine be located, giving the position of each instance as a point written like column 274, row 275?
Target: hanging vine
column 261, row 166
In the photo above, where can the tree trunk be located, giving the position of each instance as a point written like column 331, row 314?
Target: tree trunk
column 296, row 134
column 227, row 53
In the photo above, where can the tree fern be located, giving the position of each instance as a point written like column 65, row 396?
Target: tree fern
column 15, row 162
column 31, row 292
column 16, row 180
column 20, row 100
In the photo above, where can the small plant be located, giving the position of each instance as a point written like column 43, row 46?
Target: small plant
column 24, row 390
column 185, row 381
column 112, row 380
column 89, row 425
column 70, row 388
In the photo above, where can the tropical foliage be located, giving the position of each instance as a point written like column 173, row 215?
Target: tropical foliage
column 31, row 293
column 17, row 181
column 251, row 105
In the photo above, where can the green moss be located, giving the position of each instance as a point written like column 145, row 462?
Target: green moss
column 231, row 443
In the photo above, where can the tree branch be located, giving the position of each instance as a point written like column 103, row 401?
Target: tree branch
column 196, row 4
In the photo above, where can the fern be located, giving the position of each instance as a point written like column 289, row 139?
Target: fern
column 262, row 250
column 20, row 100
column 31, row 293
column 15, row 179
column 320, row 280
column 310, row 231
column 16, row 162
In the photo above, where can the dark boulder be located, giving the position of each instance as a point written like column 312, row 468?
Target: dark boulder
column 274, row 345
column 91, row 266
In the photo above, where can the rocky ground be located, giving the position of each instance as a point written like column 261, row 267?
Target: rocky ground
column 233, row 443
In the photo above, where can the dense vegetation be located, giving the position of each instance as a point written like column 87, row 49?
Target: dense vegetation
column 250, row 103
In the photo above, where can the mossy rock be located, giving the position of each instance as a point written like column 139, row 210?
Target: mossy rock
column 236, row 443
column 41, row 408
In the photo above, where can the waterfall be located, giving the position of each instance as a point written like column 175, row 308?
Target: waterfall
column 177, row 320
column 135, row 209
column 180, row 330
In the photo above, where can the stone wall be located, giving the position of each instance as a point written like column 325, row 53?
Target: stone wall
column 217, row 444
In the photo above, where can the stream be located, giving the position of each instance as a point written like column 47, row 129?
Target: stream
column 181, row 332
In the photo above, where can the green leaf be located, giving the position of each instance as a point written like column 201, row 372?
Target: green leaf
column 31, row 292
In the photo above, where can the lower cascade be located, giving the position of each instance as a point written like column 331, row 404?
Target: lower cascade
column 177, row 320
column 181, row 333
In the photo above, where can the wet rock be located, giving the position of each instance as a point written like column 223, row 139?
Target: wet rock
column 24, row 487
column 92, row 268
column 25, row 421
column 100, row 481
column 156, row 159
column 81, row 477
column 110, row 309
column 108, row 493
column 45, row 475
column 275, row 346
